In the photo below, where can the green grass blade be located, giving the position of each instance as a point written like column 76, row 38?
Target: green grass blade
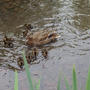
column 74, row 79
column 38, row 85
column 58, row 85
column 27, row 72
column 16, row 81
column 67, row 84
column 88, row 80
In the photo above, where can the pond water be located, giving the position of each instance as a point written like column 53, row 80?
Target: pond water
column 69, row 18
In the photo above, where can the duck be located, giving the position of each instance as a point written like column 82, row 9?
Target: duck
column 35, row 52
column 41, row 37
column 29, row 57
column 25, row 33
column 20, row 62
column 25, row 26
column 45, row 52
column 28, row 28
column 8, row 42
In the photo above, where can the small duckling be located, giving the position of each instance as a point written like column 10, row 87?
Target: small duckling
column 20, row 62
column 35, row 52
column 8, row 41
column 45, row 52
column 28, row 26
column 29, row 58
column 25, row 33
column 10, row 44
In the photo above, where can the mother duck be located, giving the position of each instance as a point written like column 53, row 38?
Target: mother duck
column 41, row 37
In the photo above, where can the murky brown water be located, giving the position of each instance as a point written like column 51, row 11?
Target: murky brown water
column 71, row 19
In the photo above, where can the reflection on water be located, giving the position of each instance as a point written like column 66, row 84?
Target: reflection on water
column 71, row 19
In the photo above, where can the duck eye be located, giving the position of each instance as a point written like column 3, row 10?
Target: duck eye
column 50, row 35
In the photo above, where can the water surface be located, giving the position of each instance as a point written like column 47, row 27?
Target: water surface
column 69, row 18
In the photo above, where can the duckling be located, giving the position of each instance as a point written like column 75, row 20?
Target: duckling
column 45, row 52
column 25, row 33
column 28, row 26
column 10, row 44
column 35, row 52
column 20, row 62
column 29, row 58
column 8, row 41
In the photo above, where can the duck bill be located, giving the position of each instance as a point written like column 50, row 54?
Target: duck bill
column 58, row 36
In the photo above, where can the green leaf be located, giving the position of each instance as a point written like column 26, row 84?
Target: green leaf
column 38, row 85
column 27, row 72
column 67, row 84
column 88, row 80
column 74, row 79
column 58, row 85
column 16, row 81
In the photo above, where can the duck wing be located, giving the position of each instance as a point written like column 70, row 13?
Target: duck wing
column 40, row 35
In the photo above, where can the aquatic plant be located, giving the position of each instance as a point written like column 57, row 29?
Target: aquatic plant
column 88, row 80
column 58, row 85
column 66, row 82
column 16, row 81
column 31, row 87
column 37, row 86
column 28, row 72
column 74, row 86
column 74, row 79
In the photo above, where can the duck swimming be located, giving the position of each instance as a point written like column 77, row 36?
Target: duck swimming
column 45, row 52
column 41, row 37
column 28, row 28
column 20, row 62
column 25, row 33
column 29, row 57
column 8, row 42
column 34, row 52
